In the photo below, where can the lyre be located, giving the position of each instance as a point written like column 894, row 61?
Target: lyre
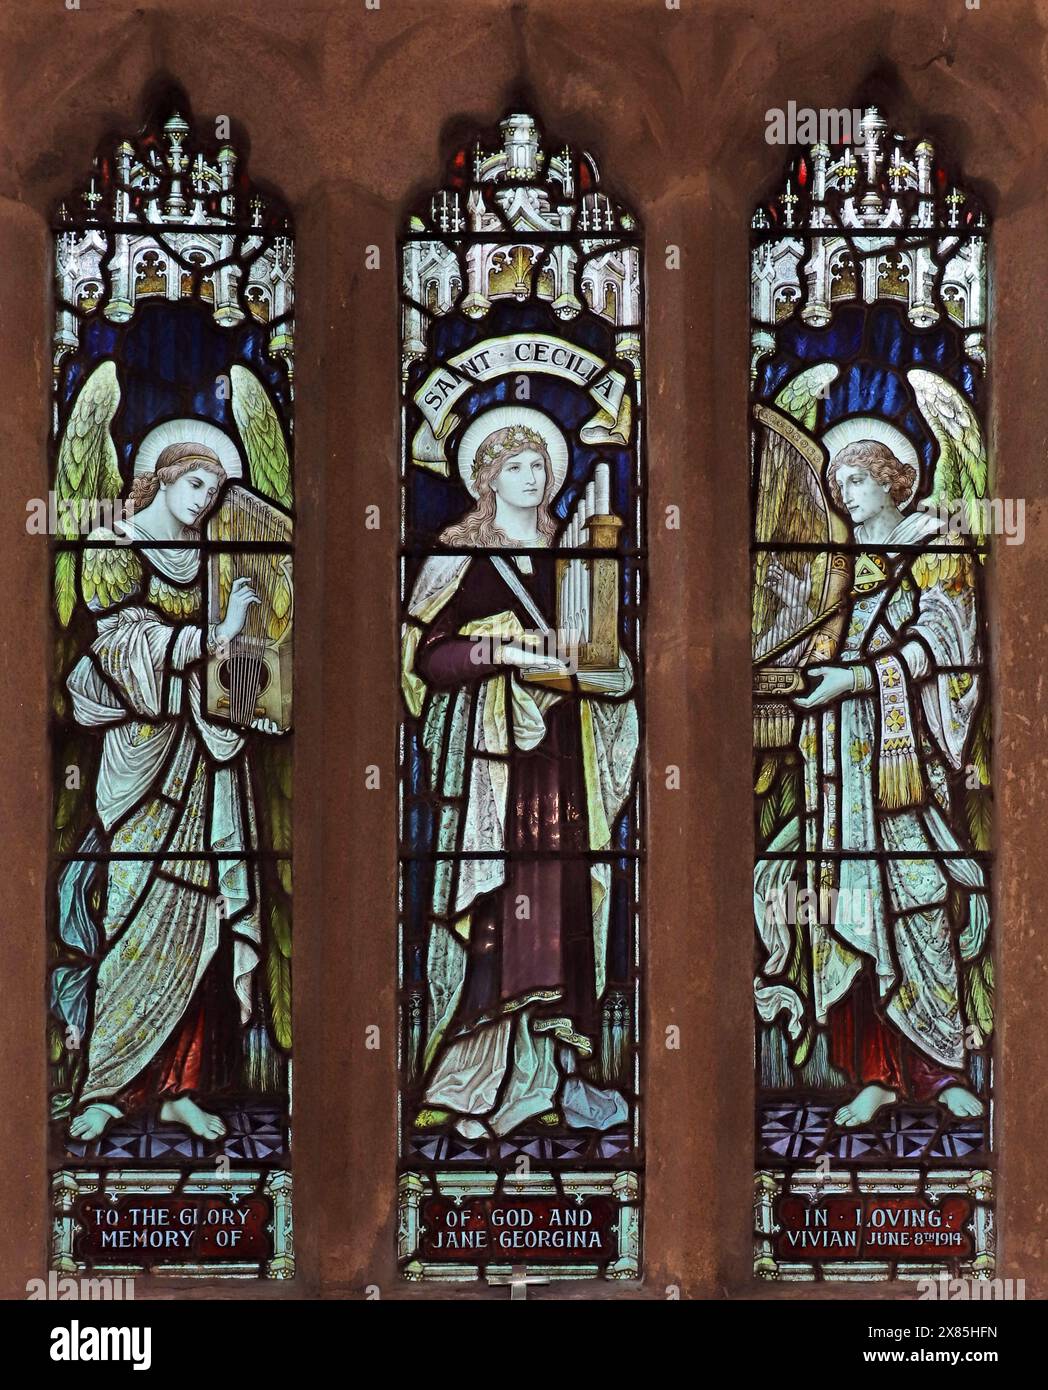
column 799, row 595
column 249, row 678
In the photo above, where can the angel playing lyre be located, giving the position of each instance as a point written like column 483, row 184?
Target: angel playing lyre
column 180, row 934
column 898, row 975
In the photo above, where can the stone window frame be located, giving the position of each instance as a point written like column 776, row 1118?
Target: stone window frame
column 689, row 154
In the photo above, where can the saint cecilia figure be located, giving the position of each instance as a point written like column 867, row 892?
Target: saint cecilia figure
column 883, row 730
column 180, row 933
column 529, row 779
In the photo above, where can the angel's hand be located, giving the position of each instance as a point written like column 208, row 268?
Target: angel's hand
column 266, row 726
column 794, row 590
column 241, row 599
column 831, row 683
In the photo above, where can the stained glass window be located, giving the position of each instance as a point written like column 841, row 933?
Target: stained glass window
column 169, row 988
column 871, row 518
column 521, row 841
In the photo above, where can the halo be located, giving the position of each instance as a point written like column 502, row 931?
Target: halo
column 498, row 418
column 188, row 432
column 838, row 437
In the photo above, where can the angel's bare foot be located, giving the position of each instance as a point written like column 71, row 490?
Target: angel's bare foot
column 959, row 1101
column 90, row 1123
column 199, row 1122
column 861, row 1109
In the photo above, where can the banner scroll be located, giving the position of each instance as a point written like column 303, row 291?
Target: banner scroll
column 520, row 352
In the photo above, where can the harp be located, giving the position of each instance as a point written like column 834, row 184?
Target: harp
column 799, row 595
column 587, row 589
column 250, row 677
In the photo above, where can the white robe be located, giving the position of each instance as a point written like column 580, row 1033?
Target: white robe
column 161, row 933
column 891, row 914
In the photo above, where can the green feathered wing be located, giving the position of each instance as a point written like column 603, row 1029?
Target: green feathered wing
column 801, row 395
column 262, row 435
column 777, row 777
column 109, row 573
column 274, row 762
column 269, row 467
column 88, row 471
column 87, row 474
column 961, row 473
column 961, row 483
column 978, row 981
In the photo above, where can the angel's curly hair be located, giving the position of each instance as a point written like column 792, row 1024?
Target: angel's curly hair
column 881, row 464
column 174, row 461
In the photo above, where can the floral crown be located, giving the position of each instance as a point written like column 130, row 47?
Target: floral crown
column 514, row 437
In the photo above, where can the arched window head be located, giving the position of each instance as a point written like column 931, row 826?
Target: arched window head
column 521, row 588
column 872, row 518
column 171, row 519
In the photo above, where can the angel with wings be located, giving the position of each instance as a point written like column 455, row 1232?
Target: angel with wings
column 180, row 932
column 897, row 977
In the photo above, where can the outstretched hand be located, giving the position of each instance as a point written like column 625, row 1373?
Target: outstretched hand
column 831, row 683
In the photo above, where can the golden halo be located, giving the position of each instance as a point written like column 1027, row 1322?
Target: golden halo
column 188, row 432
column 499, row 418
column 838, row 437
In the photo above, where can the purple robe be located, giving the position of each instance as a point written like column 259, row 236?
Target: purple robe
column 513, row 960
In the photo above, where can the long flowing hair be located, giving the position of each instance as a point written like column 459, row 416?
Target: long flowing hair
column 174, row 461
column 478, row 527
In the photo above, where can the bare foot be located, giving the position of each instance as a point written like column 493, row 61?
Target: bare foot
column 470, row 1128
column 199, row 1122
column 861, row 1109
column 960, row 1102
column 90, row 1123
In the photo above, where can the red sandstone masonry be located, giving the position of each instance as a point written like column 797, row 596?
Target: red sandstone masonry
column 350, row 113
